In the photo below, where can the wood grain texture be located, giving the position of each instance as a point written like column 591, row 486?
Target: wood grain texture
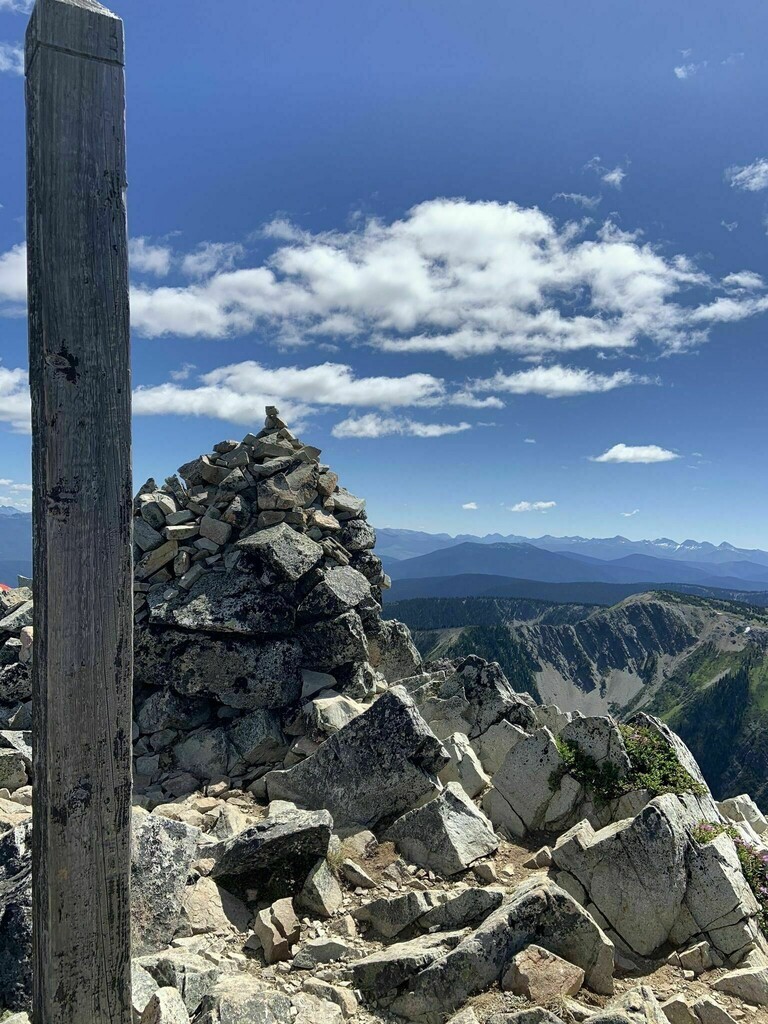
column 80, row 383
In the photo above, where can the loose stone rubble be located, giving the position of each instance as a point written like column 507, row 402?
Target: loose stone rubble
column 325, row 829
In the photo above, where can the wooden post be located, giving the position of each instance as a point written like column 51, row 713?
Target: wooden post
column 80, row 383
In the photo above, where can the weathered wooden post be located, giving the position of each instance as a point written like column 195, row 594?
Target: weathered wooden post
column 80, row 382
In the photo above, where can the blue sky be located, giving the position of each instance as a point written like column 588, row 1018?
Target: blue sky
column 491, row 224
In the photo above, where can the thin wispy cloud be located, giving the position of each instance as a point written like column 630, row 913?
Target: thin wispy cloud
column 18, row 6
column 532, row 506
column 11, row 59
column 749, row 178
column 588, row 202
column 641, row 454
column 628, row 515
column 470, row 506
column 612, row 176
column 729, row 225
column 683, row 71
column 529, row 440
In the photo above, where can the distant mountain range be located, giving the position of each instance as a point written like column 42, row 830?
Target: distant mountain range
column 526, row 561
column 406, row 544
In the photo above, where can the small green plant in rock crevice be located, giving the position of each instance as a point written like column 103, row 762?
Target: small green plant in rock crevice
column 754, row 862
column 654, row 767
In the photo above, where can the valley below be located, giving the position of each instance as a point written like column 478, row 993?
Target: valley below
column 699, row 664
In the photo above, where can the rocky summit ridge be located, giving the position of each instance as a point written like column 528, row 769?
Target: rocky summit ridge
column 327, row 829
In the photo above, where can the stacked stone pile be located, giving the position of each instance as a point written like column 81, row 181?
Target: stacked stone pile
column 258, row 612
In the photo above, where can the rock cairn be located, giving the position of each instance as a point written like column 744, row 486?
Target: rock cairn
column 258, row 614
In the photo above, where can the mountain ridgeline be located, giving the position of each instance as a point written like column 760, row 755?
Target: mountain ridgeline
column 701, row 665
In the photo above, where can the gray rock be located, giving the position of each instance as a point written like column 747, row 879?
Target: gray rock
column 534, row 1015
column 375, row 768
column 638, row 1006
column 328, row 645
column 15, row 683
column 145, row 536
column 523, row 780
column 464, row 766
column 276, row 854
column 17, row 619
column 315, row 952
column 143, row 987
column 445, row 835
column 239, row 673
column 162, row 853
column 191, row 975
column 204, row 754
column 243, row 1000
column 600, row 739
column 225, row 602
column 210, row 908
column 391, row 967
column 258, row 738
column 392, row 651
column 468, row 908
column 538, row 912
column 390, row 916
column 340, row 590
column 290, row 554
column 165, row 710
column 358, row 535
column 16, row 917
column 165, row 1007
column 321, row 895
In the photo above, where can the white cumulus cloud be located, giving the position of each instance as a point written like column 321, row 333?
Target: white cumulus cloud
column 558, row 381
column 471, row 506
column 683, row 71
column 373, row 425
column 643, row 453
column 749, row 178
column 15, row 407
column 147, row 258
column 211, row 258
column 11, row 59
column 533, row 506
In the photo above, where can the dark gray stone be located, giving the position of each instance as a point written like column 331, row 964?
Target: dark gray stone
column 162, row 852
column 340, row 590
column 225, row 602
column 242, row 673
column 277, row 854
column 373, row 770
column 468, row 908
column 328, row 645
column 16, row 918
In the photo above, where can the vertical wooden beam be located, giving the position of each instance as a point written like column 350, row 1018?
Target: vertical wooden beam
column 80, row 382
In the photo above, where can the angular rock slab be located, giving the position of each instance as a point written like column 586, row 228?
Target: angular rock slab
column 225, row 602
column 391, row 967
column 541, row 976
column 538, row 912
column 633, row 871
column 240, row 673
column 600, row 739
column 162, row 852
column 288, row 553
column 243, row 1000
column 445, row 835
column 523, row 780
column 373, row 770
column 638, row 1006
column 276, row 854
